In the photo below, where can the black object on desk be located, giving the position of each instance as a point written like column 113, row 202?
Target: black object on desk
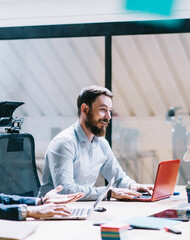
column 100, row 209
column 172, row 230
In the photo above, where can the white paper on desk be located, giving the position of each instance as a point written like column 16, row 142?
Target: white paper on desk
column 150, row 222
column 16, row 230
column 183, row 206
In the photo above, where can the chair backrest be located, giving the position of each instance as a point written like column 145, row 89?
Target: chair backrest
column 18, row 173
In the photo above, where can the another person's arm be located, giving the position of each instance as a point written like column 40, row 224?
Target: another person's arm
column 53, row 197
column 50, row 197
column 13, row 207
column 47, row 210
column 19, row 212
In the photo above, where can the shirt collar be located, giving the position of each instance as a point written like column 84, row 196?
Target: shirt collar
column 82, row 135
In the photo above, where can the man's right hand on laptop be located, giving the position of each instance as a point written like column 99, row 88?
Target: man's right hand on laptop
column 141, row 188
column 135, row 191
column 124, row 193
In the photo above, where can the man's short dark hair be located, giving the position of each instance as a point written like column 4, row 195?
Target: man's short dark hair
column 89, row 94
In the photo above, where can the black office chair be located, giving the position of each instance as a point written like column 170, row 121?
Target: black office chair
column 18, row 172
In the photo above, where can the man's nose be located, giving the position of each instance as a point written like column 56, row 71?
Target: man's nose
column 108, row 115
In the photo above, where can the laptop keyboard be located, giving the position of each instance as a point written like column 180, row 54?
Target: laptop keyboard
column 144, row 196
column 77, row 212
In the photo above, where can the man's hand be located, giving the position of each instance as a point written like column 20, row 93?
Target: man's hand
column 53, row 196
column 133, row 191
column 138, row 187
column 124, row 193
column 47, row 210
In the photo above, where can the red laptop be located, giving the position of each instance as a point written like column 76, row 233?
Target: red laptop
column 164, row 183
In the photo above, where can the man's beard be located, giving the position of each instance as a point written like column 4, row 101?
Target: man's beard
column 91, row 124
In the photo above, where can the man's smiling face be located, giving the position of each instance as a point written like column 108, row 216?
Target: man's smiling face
column 99, row 115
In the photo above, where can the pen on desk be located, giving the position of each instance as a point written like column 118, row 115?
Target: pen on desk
column 172, row 230
column 176, row 193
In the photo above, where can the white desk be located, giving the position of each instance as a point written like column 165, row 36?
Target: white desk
column 84, row 229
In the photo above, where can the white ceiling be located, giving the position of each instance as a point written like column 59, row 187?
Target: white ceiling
column 47, row 12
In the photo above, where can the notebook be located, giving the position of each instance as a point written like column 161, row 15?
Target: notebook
column 174, row 214
column 164, row 183
column 16, row 230
column 84, row 213
column 150, row 223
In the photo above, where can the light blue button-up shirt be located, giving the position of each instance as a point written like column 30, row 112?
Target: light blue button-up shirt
column 74, row 162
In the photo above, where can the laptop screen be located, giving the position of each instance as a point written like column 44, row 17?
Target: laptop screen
column 166, row 179
column 101, row 197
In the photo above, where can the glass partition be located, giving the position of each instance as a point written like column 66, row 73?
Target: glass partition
column 151, row 101
column 48, row 74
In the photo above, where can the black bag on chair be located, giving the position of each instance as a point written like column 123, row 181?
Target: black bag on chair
column 18, row 172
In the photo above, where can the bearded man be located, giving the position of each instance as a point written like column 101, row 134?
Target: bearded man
column 77, row 155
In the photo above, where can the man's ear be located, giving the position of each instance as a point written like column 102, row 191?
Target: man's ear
column 84, row 108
